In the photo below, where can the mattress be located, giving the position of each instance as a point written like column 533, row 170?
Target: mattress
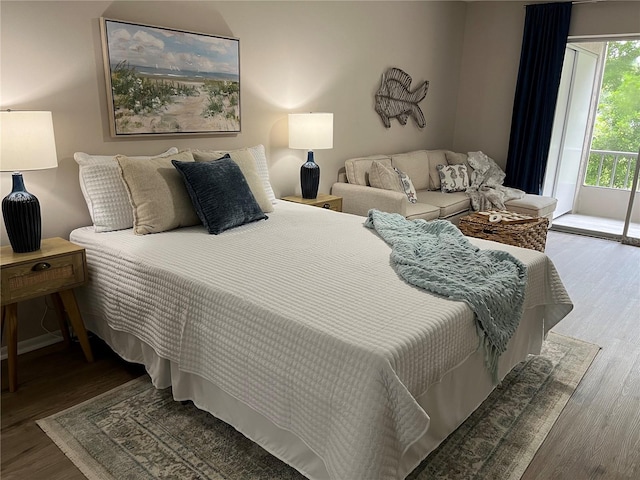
column 302, row 320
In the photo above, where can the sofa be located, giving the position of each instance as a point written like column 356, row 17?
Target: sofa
column 421, row 171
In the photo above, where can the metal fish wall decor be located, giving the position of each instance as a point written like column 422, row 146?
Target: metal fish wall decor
column 395, row 100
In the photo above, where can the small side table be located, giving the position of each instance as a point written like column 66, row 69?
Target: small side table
column 330, row 202
column 55, row 269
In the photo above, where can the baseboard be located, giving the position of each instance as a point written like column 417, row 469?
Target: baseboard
column 32, row 344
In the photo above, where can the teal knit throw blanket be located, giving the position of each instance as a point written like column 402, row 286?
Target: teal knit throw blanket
column 436, row 256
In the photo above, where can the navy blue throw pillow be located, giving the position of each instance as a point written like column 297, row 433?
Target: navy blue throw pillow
column 220, row 194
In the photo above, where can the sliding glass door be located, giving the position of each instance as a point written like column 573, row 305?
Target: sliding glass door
column 570, row 127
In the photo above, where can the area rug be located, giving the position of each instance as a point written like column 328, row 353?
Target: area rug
column 138, row 432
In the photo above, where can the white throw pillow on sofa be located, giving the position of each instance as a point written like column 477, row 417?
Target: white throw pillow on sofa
column 453, row 178
column 407, row 186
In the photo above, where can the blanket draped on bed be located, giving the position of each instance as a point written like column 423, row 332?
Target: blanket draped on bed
column 436, row 256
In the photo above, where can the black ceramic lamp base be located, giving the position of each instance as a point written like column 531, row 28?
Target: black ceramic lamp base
column 21, row 213
column 309, row 177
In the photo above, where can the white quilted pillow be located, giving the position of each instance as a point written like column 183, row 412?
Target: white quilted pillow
column 104, row 190
column 260, row 157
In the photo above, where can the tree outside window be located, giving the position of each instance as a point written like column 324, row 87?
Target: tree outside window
column 617, row 126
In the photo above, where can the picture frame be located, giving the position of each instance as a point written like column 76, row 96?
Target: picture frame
column 164, row 81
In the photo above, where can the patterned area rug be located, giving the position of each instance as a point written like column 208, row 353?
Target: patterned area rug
column 138, row 432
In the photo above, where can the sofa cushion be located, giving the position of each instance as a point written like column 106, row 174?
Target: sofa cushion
column 423, row 211
column 416, row 165
column 534, row 205
column 449, row 203
column 454, row 158
column 357, row 169
column 436, row 157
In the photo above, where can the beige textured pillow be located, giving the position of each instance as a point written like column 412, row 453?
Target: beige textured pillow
column 382, row 175
column 157, row 192
column 247, row 164
column 357, row 169
column 454, row 158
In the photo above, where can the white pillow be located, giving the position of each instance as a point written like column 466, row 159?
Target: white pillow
column 104, row 190
column 260, row 157
column 407, row 186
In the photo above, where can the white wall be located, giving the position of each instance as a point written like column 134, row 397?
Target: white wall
column 491, row 55
column 295, row 57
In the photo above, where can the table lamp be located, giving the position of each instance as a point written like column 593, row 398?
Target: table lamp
column 310, row 131
column 28, row 143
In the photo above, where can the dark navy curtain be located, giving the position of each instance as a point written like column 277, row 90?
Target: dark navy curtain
column 544, row 41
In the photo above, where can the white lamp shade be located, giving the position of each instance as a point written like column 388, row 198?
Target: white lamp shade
column 311, row 131
column 28, row 142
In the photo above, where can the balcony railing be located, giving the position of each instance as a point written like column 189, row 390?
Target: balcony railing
column 611, row 169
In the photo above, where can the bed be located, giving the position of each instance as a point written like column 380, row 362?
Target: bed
column 297, row 331
column 294, row 329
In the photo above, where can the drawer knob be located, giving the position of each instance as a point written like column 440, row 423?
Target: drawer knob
column 327, row 205
column 38, row 267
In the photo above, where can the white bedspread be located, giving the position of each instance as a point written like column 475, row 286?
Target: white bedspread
column 302, row 318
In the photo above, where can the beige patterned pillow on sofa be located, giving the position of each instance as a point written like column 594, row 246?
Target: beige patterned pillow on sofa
column 453, row 178
column 387, row 177
column 384, row 176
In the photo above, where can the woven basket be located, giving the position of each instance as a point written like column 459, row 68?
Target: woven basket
column 531, row 235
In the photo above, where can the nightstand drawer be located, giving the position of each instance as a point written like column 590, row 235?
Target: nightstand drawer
column 333, row 204
column 34, row 278
column 330, row 202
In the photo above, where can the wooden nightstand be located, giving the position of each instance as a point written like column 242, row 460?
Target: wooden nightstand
column 54, row 270
column 330, row 202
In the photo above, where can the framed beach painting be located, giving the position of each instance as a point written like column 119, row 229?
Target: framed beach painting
column 162, row 81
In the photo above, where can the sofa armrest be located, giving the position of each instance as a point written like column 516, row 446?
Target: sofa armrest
column 359, row 199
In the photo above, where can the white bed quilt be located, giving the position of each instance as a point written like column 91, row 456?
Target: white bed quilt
column 302, row 318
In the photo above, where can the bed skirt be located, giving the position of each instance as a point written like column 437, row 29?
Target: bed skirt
column 448, row 402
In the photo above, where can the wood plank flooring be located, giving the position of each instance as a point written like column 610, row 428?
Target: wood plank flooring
column 50, row 380
column 598, row 434
column 596, row 437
